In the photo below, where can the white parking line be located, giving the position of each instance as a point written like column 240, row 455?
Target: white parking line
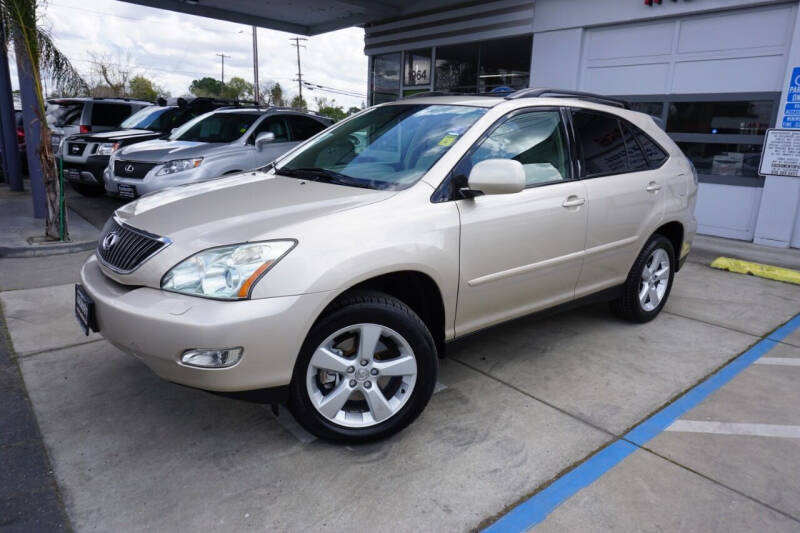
column 733, row 428
column 785, row 361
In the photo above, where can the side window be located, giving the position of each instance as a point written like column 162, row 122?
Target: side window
column 273, row 124
column 654, row 153
column 303, row 127
column 109, row 114
column 535, row 139
column 636, row 159
column 600, row 143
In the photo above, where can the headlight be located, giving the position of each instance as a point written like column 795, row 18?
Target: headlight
column 107, row 148
column 179, row 165
column 227, row 272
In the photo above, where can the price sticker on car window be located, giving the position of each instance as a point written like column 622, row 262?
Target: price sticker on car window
column 450, row 138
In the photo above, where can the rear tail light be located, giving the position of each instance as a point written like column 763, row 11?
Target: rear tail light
column 86, row 129
column 20, row 134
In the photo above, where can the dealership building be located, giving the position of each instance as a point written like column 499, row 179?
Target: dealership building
column 717, row 73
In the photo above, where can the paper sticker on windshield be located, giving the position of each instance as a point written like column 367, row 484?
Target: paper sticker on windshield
column 449, row 139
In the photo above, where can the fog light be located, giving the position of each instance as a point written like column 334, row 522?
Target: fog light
column 202, row 358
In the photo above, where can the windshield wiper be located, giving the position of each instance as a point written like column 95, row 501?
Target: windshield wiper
column 321, row 174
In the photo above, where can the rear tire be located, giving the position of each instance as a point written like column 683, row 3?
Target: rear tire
column 649, row 282
column 366, row 370
column 86, row 189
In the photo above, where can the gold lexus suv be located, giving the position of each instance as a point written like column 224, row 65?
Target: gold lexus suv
column 332, row 278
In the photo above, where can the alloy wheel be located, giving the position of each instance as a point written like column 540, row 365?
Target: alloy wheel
column 655, row 279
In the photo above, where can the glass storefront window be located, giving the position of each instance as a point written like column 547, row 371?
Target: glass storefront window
column 724, row 159
column 457, row 68
column 418, row 68
column 738, row 118
column 505, row 63
column 654, row 109
column 385, row 78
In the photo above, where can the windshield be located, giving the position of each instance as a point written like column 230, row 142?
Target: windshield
column 387, row 147
column 157, row 118
column 215, row 127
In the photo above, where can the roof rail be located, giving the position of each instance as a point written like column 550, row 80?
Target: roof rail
column 565, row 93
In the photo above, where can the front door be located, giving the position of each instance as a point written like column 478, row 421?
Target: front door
column 521, row 252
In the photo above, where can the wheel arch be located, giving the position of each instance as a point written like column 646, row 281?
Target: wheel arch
column 673, row 231
column 414, row 288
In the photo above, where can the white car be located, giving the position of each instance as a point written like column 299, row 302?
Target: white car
column 224, row 141
column 333, row 279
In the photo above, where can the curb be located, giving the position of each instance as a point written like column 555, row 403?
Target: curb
column 757, row 269
column 46, row 249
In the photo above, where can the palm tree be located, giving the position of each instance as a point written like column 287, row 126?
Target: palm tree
column 36, row 53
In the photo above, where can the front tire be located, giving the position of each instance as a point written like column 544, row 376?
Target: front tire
column 649, row 282
column 366, row 370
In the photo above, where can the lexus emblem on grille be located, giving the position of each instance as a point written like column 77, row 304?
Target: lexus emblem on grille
column 129, row 168
column 110, row 240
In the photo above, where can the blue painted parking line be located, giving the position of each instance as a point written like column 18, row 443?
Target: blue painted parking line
column 535, row 509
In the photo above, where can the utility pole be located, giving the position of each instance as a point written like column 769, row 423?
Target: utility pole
column 297, row 45
column 255, row 65
column 222, row 57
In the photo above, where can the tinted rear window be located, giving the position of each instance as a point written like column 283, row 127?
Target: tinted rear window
column 109, row 114
column 303, row 127
column 654, row 153
column 64, row 114
column 636, row 159
column 600, row 142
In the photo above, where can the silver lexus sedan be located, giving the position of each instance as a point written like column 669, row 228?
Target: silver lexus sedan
column 224, row 141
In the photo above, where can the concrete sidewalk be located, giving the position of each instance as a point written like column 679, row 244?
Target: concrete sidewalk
column 21, row 235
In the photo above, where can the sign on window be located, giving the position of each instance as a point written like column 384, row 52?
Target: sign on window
column 781, row 153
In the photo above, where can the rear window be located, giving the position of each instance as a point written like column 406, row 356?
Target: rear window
column 60, row 114
column 600, row 143
column 303, row 127
column 109, row 114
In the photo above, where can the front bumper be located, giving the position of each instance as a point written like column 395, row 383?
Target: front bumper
column 151, row 182
column 90, row 172
column 158, row 326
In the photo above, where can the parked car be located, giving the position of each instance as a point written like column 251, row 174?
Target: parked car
column 333, row 278
column 23, row 154
column 86, row 155
column 67, row 116
column 225, row 141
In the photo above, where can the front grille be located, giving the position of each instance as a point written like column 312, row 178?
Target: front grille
column 75, row 148
column 132, row 169
column 123, row 248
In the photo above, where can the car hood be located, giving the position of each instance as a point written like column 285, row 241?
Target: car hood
column 114, row 136
column 163, row 150
column 240, row 207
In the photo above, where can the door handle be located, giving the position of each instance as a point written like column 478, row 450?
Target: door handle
column 653, row 187
column 573, row 201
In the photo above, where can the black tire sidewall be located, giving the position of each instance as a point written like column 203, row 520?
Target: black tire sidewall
column 632, row 286
column 401, row 320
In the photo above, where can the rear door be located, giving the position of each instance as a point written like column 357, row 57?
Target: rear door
column 521, row 252
column 623, row 194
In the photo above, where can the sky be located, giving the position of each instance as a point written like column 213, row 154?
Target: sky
column 172, row 49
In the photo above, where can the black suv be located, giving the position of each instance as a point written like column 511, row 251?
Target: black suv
column 85, row 156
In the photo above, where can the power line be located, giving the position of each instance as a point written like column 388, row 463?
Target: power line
column 343, row 92
column 222, row 57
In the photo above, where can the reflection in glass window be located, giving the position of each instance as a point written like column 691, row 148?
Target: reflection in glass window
column 636, row 159
column 418, row 67
column 654, row 153
column 724, row 159
column 738, row 118
column 534, row 139
column 600, row 141
column 457, row 68
column 385, row 78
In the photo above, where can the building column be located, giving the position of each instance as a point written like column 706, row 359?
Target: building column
column 8, row 122
column 780, row 200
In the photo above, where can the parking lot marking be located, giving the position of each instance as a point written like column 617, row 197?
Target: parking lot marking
column 536, row 508
column 780, row 361
column 734, row 428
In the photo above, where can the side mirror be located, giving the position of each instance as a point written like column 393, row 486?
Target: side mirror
column 265, row 137
column 497, row 176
